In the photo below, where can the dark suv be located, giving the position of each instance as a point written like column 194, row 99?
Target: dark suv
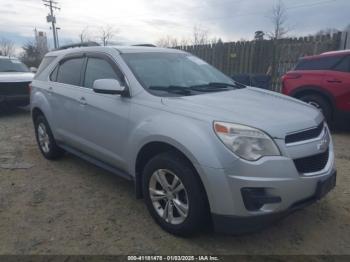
column 14, row 82
column 322, row 81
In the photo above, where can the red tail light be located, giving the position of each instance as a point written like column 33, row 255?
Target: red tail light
column 30, row 88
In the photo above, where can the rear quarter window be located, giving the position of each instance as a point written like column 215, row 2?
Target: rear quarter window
column 47, row 60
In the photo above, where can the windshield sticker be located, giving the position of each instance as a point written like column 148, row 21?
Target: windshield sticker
column 15, row 61
column 196, row 60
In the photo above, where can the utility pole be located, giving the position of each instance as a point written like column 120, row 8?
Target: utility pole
column 58, row 43
column 52, row 19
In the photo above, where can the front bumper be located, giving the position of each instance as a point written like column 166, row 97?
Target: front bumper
column 249, row 195
column 240, row 224
column 15, row 100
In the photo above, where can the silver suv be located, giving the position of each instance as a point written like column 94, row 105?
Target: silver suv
column 200, row 148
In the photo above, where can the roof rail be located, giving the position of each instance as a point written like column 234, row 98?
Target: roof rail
column 147, row 45
column 84, row 44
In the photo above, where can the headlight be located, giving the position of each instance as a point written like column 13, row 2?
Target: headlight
column 246, row 142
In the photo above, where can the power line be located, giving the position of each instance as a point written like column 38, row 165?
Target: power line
column 52, row 5
column 311, row 4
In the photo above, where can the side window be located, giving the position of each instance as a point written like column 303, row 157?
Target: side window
column 321, row 63
column 69, row 71
column 53, row 75
column 97, row 68
column 344, row 65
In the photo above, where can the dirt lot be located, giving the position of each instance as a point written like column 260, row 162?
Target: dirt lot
column 71, row 207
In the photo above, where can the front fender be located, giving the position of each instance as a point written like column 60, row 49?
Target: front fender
column 193, row 137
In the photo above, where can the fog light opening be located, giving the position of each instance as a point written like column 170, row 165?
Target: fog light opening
column 255, row 198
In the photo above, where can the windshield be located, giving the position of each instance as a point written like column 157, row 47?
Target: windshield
column 168, row 74
column 12, row 65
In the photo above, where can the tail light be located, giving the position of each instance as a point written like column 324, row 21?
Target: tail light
column 30, row 88
column 287, row 77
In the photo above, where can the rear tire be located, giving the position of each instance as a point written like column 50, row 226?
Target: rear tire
column 187, row 211
column 321, row 104
column 45, row 139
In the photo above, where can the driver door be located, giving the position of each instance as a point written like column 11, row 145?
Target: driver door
column 103, row 118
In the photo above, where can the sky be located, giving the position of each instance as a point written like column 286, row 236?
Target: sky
column 148, row 20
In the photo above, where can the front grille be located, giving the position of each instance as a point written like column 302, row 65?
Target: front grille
column 16, row 88
column 313, row 163
column 304, row 135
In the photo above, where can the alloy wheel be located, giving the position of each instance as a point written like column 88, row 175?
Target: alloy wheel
column 43, row 138
column 169, row 196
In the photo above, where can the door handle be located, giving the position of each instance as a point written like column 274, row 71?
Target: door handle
column 82, row 101
column 49, row 91
column 334, row 81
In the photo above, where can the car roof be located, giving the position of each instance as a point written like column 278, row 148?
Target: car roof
column 330, row 53
column 120, row 49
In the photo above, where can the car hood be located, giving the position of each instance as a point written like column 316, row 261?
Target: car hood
column 16, row 77
column 269, row 111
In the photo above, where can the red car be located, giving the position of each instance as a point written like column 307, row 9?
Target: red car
column 322, row 81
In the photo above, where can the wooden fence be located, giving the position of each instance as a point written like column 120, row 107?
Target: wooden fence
column 264, row 56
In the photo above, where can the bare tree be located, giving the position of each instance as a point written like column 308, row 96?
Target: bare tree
column 7, row 47
column 84, row 35
column 200, row 36
column 172, row 42
column 107, row 33
column 184, row 42
column 168, row 41
column 327, row 31
column 279, row 19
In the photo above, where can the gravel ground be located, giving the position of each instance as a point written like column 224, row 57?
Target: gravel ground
column 72, row 207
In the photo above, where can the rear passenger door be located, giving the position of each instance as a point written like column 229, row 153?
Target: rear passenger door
column 103, row 119
column 64, row 89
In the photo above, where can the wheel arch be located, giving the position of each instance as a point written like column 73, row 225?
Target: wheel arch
column 150, row 150
column 40, row 104
column 36, row 111
column 306, row 90
column 315, row 90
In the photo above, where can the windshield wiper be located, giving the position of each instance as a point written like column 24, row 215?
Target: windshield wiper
column 214, row 87
column 222, row 84
column 183, row 90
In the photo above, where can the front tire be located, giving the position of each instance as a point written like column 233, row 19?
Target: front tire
column 45, row 139
column 174, row 194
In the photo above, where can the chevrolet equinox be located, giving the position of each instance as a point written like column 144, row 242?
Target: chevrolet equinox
column 199, row 147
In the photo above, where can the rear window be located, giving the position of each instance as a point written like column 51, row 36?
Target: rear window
column 322, row 63
column 45, row 63
column 12, row 65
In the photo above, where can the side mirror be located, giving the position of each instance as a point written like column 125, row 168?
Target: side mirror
column 108, row 86
column 33, row 69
